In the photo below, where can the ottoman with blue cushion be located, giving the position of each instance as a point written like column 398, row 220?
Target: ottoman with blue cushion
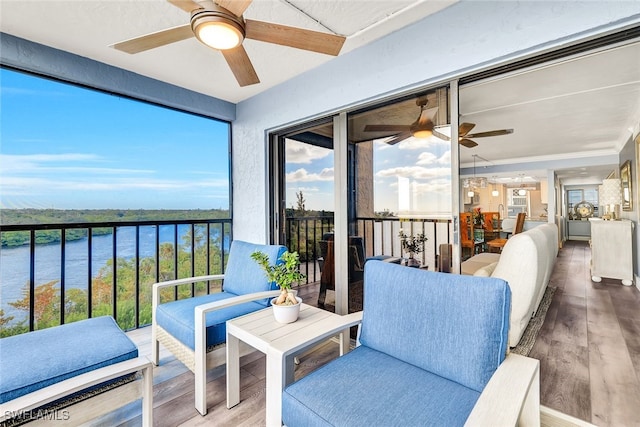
column 36, row 360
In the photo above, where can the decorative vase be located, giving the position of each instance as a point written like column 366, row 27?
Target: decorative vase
column 286, row 313
column 412, row 262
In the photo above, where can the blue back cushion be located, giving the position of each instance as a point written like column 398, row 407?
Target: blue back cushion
column 451, row 325
column 243, row 275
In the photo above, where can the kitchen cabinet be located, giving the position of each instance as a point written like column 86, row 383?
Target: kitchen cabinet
column 544, row 191
column 611, row 250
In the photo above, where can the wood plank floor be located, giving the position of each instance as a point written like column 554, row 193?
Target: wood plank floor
column 589, row 344
column 589, row 348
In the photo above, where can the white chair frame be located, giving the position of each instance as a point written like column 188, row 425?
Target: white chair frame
column 202, row 358
column 93, row 407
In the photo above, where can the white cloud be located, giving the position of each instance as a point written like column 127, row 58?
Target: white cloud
column 415, row 172
column 426, row 158
column 302, row 175
column 24, row 186
column 445, row 159
column 299, row 152
column 48, row 164
column 31, row 162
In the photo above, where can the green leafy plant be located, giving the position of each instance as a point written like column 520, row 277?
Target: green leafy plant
column 412, row 244
column 285, row 274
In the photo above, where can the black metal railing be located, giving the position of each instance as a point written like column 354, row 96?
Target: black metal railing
column 108, row 268
column 92, row 269
column 380, row 237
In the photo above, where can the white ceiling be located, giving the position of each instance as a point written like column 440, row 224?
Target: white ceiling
column 88, row 27
column 577, row 108
column 581, row 107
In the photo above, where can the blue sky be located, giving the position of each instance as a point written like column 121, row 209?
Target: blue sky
column 66, row 147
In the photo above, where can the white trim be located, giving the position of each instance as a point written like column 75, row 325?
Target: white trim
column 341, row 218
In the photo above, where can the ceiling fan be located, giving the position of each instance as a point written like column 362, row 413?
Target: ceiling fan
column 220, row 25
column 423, row 128
column 464, row 135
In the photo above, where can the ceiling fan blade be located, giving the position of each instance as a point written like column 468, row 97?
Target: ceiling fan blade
column 153, row 40
column 427, row 115
column 186, row 5
column 314, row 41
column 468, row 143
column 237, row 7
column 440, row 135
column 491, row 133
column 241, row 66
column 399, row 137
column 386, row 128
column 465, row 128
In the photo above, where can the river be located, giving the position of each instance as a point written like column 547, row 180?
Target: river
column 14, row 262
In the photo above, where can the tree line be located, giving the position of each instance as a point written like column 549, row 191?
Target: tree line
column 71, row 216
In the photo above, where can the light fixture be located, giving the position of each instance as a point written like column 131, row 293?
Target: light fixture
column 424, row 130
column 495, row 192
column 521, row 191
column 218, row 28
column 611, row 197
column 476, row 181
column 471, row 193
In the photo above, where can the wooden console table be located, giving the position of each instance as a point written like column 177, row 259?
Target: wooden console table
column 611, row 250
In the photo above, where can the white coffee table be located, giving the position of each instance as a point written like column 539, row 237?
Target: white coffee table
column 280, row 343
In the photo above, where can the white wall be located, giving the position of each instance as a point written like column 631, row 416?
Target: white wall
column 466, row 36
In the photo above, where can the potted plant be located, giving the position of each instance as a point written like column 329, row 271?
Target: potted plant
column 413, row 245
column 286, row 306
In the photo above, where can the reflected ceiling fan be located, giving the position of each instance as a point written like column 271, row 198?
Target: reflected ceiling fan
column 423, row 128
column 464, row 135
column 220, row 25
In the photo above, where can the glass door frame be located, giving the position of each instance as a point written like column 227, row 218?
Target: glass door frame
column 342, row 203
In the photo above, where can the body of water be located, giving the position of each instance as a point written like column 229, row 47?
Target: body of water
column 14, row 262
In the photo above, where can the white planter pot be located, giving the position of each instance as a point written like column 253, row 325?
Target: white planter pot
column 286, row 313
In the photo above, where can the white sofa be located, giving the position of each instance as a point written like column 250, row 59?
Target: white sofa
column 526, row 263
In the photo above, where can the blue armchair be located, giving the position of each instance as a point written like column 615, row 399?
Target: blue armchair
column 194, row 329
column 431, row 352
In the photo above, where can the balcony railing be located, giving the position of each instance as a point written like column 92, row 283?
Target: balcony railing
column 380, row 237
column 92, row 269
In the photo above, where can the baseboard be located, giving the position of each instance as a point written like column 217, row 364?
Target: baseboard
column 552, row 418
column 637, row 280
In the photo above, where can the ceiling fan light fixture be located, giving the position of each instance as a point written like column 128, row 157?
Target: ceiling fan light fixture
column 218, row 28
column 424, row 130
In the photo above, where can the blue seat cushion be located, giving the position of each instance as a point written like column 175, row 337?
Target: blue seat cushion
column 451, row 325
column 41, row 358
column 178, row 318
column 369, row 388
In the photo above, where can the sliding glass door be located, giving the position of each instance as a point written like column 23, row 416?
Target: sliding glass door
column 303, row 204
column 355, row 186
